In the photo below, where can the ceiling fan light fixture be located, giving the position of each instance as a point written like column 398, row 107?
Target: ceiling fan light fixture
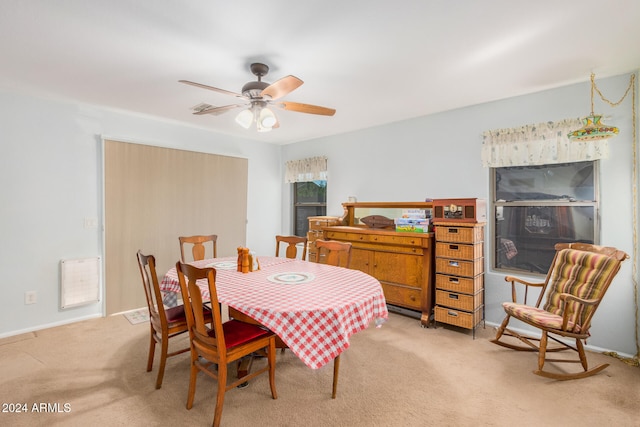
column 261, row 128
column 267, row 118
column 245, row 118
column 257, row 96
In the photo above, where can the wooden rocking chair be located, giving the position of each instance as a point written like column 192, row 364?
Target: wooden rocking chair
column 578, row 279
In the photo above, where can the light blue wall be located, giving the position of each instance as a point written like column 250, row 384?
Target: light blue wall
column 51, row 176
column 51, row 179
column 438, row 156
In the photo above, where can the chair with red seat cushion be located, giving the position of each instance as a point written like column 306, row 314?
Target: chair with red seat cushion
column 223, row 343
column 165, row 322
column 578, row 279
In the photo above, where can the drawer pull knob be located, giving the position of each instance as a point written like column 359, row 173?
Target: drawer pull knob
column 412, row 297
column 453, row 296
column 453, row 247
column 453, row 280
column 452, row 313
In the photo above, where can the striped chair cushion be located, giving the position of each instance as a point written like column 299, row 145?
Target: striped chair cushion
column 535, row 316
column 582, row 274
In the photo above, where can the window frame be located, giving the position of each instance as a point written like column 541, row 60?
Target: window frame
column 496, row 204
column 296, row 205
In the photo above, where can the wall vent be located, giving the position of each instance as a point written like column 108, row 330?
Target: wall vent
column 80, row 282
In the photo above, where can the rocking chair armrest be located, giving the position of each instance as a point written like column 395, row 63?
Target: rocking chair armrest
column 569, row 298
column 522, row 281
column 515, row 280
column 568, row 313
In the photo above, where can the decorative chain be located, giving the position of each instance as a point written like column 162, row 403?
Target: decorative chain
column 611, row 103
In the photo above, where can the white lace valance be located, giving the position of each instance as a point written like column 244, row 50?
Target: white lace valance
column 539, row 144
column 304, row 170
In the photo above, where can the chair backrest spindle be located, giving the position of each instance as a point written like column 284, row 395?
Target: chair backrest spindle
column 198, row 250
column 292, row 248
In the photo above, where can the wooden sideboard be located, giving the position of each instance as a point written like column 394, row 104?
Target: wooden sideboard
column 401, row 261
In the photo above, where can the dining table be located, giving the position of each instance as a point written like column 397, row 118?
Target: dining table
column 314, row 308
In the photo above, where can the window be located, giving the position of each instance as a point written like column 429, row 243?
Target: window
column 539, row 206
column 309, row 178
column 309, row 199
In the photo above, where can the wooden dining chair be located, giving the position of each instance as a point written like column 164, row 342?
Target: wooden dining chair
column 198, row 248
column 165, row 322
column 578, row 279
column 222, row 343
column 292, row 246
column 333, row 252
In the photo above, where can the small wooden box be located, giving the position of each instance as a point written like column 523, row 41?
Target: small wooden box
column 458, row 318
column 458, row 301
column 465, row 285
column 313, row 235
column 320, row 222
column 456, row 267
column 459, row 210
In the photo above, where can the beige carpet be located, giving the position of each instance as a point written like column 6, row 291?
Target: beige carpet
column 93, row 373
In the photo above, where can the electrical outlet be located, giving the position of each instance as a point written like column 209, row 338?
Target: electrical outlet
column 30, row 297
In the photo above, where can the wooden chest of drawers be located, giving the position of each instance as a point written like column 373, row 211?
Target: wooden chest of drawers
column 459, row 269
column 402, row 262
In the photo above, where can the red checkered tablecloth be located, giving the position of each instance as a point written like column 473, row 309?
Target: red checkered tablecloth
column 315, row 318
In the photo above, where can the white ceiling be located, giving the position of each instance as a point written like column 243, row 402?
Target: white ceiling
column 374, row 61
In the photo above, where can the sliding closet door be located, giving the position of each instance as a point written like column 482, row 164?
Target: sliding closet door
column 152, row 196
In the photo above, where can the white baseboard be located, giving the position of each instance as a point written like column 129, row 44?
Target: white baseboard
column 537, row 334
column 50, row 325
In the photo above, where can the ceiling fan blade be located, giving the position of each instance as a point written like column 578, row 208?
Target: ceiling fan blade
column 306, row 108
column 218, row 110
column 215, row 89
column 282, row 87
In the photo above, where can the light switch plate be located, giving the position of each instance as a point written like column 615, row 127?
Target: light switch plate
column 30, row 297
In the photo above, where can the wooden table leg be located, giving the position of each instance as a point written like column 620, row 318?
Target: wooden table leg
column 336, row 368
column 244, row 367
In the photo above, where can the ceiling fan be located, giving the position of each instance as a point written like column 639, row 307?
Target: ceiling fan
column 259, row 96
